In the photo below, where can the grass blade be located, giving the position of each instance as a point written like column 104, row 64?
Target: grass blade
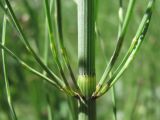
column 12, row 111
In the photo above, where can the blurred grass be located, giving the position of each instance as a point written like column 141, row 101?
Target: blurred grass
column 140, row 82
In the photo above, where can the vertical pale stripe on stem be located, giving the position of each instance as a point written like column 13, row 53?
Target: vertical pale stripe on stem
column 86, row 58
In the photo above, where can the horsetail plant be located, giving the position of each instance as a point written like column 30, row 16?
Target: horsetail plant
column 84, row 89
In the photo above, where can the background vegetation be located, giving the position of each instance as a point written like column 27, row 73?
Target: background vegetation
column 137, row 91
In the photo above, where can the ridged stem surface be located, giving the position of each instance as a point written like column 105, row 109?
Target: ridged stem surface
column 86, row 57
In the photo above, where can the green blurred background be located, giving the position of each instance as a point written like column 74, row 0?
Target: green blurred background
column 137, row 91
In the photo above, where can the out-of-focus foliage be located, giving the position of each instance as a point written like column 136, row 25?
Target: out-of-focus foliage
column 137, row 92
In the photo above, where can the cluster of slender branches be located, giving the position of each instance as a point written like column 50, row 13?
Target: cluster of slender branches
column 61, row 82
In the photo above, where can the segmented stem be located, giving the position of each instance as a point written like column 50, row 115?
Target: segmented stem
column 86, row 58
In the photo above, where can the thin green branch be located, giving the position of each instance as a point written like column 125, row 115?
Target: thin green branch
column 58, row 20
column 46, row 43
column 53, row 44
column 118, row 47
column 101, row 40
column 12, row 111
column 53, row 76
column 27, row 45
column 27, row 67
column 23, row 63
column 3, row 8
column 32, row 70
column 134, row 47
column 120, row 16
column 45, row 56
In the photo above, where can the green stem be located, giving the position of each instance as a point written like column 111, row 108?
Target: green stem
column 120, row 16
column 58, row 23
column 12, row 111
column 53, row 44
column 27, row 44
column 117, row 50
column 134, row 47
column 86, row 57
column 45, row 56
column 87, row 85
column 30, row 69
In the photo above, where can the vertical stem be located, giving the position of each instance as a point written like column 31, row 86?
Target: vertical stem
column 45, row 57
column 86, row 57
column 120, row 16
column 7, row 88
